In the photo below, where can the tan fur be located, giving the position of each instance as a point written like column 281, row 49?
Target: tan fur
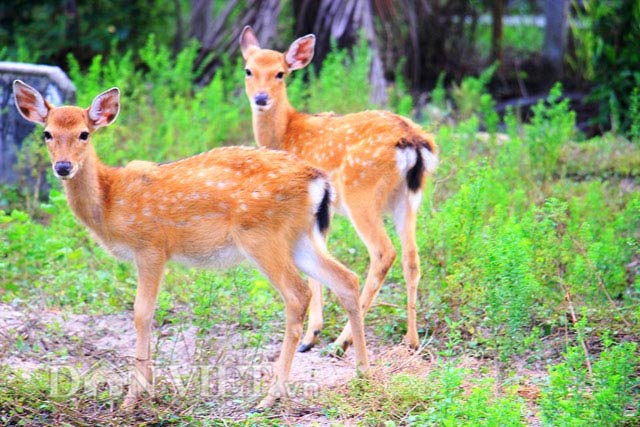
column 360, row 152
column 208, row 210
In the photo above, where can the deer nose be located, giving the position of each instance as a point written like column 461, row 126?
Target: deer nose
column 261, row 98
column 63, row 168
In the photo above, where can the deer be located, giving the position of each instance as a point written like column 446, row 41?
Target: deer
column 213, row 209
column 378, row 162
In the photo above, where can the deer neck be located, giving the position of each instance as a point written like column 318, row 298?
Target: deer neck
column 269, row 127
column 86, row 193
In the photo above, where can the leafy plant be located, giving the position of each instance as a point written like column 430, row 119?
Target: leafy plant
column 552, row 125
column 574, row 397
column 606, row 55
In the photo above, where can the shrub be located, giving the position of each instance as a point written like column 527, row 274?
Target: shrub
column 606, row 35
column 552, row 125
column 576, row 398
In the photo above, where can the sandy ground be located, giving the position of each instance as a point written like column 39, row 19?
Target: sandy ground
column 97, row 351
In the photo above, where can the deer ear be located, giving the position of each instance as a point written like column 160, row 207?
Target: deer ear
column 30, row 103
column 300, row 52
column 248, row 41
column 105, row 108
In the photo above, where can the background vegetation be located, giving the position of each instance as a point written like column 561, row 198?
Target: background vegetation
column 529, row 239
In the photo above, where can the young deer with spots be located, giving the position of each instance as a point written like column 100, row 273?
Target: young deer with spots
column 209, row 210
column 378, row 162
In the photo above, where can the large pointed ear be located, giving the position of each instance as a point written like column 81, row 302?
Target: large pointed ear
column 248, row 41
column 300, row 52
column 30, row 103
column 105, row 108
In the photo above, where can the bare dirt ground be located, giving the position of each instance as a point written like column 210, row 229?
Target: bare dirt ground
column 95, row 354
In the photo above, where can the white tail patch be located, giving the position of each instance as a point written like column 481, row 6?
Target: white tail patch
column 406, row 159
column 316, row 192
column 429, row 160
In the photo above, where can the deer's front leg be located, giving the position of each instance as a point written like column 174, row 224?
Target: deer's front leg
column 150, row 269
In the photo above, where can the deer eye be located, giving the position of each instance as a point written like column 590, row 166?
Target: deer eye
column 47, row 135
column 248, row 72
column 280, row 75
column 84, row 136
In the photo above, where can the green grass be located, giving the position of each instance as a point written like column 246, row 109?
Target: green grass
column 514, row 235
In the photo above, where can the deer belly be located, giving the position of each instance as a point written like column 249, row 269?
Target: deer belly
column 120, row 251
column 220, row 258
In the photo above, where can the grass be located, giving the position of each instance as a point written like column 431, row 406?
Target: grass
column 528, row 304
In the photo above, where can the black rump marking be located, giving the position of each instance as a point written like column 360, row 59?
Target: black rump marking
column 322, row 215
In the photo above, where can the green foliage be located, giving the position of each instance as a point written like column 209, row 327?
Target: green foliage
column 400, row 99
column 162, row 107
column 574, row 397
column 36, row 31
column 552, row 125
column 326, row 90
column 607, row 55
column 438, row 399
column 470, row 98
column 509, row 281
column 523, row 39
column 58, row 263
column 439, row 93
column 634, row 115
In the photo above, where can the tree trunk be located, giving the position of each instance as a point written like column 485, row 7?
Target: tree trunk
column 200, row 19
column 497, row 12
column 219, row 35
column 555, row 34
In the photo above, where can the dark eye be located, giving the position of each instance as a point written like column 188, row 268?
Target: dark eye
column 46, row 135
column 84, row 136
column 248, row 72
column 280, row 75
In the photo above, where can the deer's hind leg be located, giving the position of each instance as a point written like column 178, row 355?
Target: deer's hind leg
column 277, row 265
column 311, row 257
column 315, row 313
column 367, row 221
column 405, row 217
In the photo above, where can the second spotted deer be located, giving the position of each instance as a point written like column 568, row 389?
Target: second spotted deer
column 378, row 162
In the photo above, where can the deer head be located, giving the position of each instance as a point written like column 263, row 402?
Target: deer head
column 265, row 70
column 67, row 130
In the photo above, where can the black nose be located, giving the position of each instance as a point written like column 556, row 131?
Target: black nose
column 261, row 99
column 63, row 168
